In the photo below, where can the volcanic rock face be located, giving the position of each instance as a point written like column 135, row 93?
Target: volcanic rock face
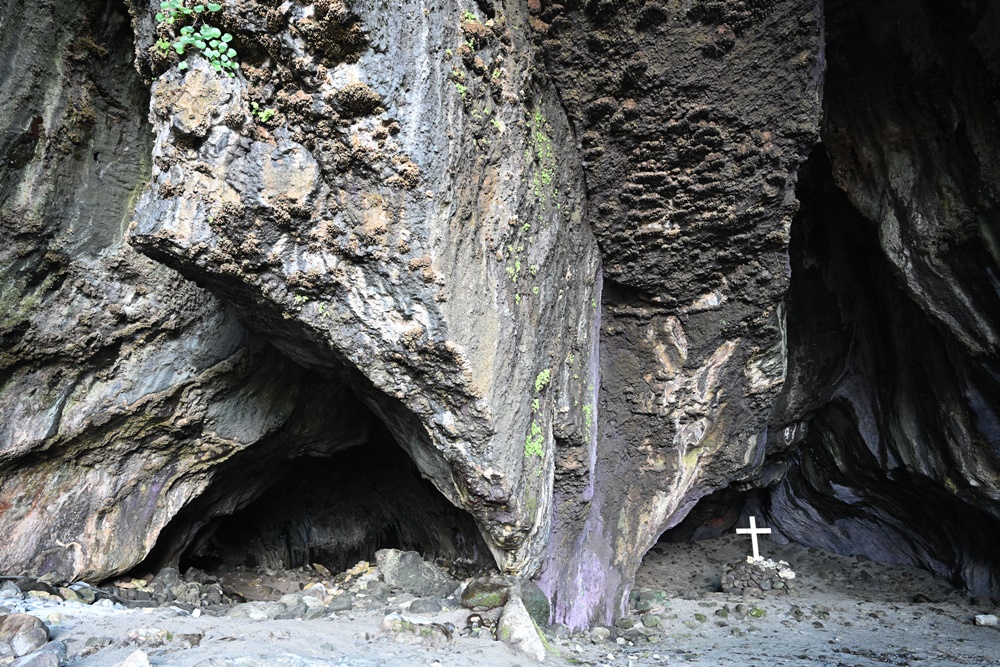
column 396, row 218
column 103, row 351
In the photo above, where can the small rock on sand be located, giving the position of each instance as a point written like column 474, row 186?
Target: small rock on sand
column 137, row 659
column 406, row 570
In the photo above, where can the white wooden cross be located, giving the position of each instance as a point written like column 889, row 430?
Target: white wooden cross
column 754, row 531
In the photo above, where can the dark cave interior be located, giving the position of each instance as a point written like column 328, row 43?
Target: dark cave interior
column 334, row 509
column 340, row 510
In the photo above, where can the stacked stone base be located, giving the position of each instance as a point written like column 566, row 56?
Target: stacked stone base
column 758, row 576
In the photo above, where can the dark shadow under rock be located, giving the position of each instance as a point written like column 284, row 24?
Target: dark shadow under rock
column 337, row 511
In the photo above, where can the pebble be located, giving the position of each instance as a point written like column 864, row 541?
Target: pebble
column 425, row 606
column 651, row 620
column 137, row 659
column 987, row 620
column 99, row 642
column 342, row 603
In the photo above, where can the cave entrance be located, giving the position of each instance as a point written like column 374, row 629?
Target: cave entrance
column 337, row 511
column 330, row 487
column 862, row 443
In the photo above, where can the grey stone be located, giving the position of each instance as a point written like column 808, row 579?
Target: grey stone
column 517, row 629
column 560, row 630
column 406, row 630
column 25, row 633
column 600, row 634
column 987, row 620
column 379, row 590
column 651, row 620
column 8, row 589
column 312, row 613
column 317, row 591
column 406, row 570
column 294, row 611
column 52, row 654
column 99, row 642
column 38, row 659
column 137, row 659
column 257, row 611
column 425, row 606
column 166, row 578
column 291, row 599
column 341, row 603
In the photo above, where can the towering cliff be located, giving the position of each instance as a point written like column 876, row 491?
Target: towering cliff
column 584, row 263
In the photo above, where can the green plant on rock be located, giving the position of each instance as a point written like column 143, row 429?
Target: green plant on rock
column 542, row 379
column 198, row 35
column 263, row 115
column 534, row 440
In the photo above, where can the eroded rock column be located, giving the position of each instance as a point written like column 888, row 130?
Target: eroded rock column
column 693, row 120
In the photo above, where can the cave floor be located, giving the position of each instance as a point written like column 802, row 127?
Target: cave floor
column 847, row 612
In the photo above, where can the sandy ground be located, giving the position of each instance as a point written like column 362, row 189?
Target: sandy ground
column 846, row 613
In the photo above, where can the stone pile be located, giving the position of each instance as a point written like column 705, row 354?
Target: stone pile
column 421, row 603
column 758, row 576
column 168, row 588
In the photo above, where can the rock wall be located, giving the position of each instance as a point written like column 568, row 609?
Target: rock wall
column 555, row 250
column 889, row 415
column 411, row 220
column 123, row 387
